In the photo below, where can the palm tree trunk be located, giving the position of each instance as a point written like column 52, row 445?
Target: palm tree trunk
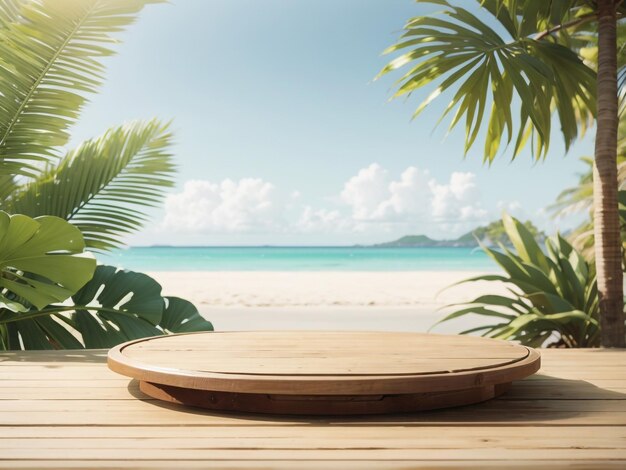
column 606, row 217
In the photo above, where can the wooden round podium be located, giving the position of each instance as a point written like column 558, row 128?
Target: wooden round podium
column 322, row 372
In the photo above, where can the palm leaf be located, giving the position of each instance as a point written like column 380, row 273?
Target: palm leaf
column 579, row 198
column 103, row 185
column 456, row 49
column 50, row 53
column 10, row 11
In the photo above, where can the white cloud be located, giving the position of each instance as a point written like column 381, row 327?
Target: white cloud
column 416, row 196
column 322, row 220
column 371, row 202
column 366, row 191
column 374, row 196
column 230, row 206
column 513, row 208
column 457, row 200
column 410, row 195
column 542, row 218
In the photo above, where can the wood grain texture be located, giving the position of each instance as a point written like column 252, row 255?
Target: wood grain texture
column 323, row 363
column 321, row 404
column 67, row 410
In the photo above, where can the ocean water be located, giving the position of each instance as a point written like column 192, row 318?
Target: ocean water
column 298, row 259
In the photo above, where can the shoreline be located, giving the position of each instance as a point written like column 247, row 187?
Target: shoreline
column 322, row 288
column 323, row 300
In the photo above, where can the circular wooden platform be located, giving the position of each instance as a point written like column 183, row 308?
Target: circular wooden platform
column 322, row 372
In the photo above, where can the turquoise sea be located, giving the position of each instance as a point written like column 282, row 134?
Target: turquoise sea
column 298, row 259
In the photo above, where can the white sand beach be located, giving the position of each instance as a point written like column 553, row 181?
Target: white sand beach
column 248, row 300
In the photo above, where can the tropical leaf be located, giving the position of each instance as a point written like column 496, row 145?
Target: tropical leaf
column 553, row 295
column 114, row 307
column 456, row 49
column 41, row 261
column 50, row 53
column 581, row 35
column 524, row 242
column 8, row 186
column 181, row 316
column 50, row 60
column 10, row 11
column 579, row 199
column 103, row 185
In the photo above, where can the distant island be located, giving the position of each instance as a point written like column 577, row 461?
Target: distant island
column 491, row 234
column 418, row 241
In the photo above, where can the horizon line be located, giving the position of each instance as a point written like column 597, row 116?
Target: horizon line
column 375, row 245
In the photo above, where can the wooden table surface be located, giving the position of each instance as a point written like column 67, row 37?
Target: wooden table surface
column 66, row 409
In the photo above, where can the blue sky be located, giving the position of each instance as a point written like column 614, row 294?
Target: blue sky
column 283, row 137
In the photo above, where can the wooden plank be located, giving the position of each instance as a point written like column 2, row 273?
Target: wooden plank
column 51, row 374
column 484, row 435
column 140, row 412
column 314, row 465
column 536, row 387
column 562, row 390
column 125, row 389
column 529, row 406
column 120, row 392
column 24, row 448
column 75, row 414
column 321, row 438
column 316, row 454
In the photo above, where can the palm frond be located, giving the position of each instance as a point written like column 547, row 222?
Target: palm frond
column 10, row 11
column 8, row 185
column 583, row 39
column 103, row 185
column 456, row 49
column 49, row 61
column 529, row 17
column 579, row 198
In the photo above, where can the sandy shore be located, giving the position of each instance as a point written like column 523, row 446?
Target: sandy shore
column 407, row 301
column 320, row 288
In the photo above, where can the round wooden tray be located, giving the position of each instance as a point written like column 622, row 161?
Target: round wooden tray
column 322, row 372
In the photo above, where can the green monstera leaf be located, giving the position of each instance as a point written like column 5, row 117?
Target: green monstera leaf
column 41, row 261
column 124, row 305
column 113, row 307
